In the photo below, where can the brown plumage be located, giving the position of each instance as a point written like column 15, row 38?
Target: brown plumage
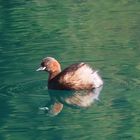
column 78, row 76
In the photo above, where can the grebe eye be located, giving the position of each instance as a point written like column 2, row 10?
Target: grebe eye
column 42, row 64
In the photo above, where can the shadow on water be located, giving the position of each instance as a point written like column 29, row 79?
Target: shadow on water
column 74, row 99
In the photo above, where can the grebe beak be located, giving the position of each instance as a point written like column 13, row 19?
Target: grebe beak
column 41, row 69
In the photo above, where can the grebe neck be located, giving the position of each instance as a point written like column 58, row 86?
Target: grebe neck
column 53, row 74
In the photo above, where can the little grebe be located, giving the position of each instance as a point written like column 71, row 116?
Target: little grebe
column 79, row 76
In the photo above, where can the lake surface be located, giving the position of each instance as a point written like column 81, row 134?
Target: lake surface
column 105, row 34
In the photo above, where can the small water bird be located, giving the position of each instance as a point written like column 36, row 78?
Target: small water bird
column 79, row 76
column 77, row 85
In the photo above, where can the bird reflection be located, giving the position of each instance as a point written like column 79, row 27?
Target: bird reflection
column 75, row 99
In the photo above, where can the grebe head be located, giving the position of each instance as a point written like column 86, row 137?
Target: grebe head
column 50, row 65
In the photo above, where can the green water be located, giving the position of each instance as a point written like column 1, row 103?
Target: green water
column 106, row 34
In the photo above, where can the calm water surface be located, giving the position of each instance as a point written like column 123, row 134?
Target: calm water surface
column 105, row 34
